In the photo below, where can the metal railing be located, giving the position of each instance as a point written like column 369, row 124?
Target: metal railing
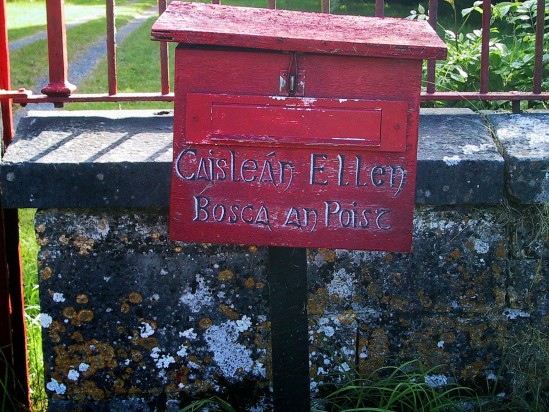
column 59, row 91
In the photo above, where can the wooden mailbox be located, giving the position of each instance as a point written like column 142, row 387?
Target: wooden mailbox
column 295, row 129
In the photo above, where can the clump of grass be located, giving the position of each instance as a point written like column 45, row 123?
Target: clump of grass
column 526, row 362
column 213, row 404
column 407, row 387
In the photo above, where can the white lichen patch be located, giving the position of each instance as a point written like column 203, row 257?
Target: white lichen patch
column 229, row 355
column 146, row 330
column 73, row 375
column 58, row 297
column 162, row 361
column 451, row 160
column 200, row 298
column 45, row 320
column 515, row 313
column 182, row 352
column 436, row 381
column 481, row 247
column 54, row 386
column 83, row 367
column 342, row 285
column 188, row 334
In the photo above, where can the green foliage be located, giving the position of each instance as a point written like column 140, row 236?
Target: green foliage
column 511, row 49
column 408, row 387
column 213, row 404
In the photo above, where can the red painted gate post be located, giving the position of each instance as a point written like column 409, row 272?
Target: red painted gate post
column 57, row 51
column 13, row 360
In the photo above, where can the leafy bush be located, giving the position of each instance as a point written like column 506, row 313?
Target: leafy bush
column 511, row 48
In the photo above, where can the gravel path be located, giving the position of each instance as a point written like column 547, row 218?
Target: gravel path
column 25, row 41
column 85, row 64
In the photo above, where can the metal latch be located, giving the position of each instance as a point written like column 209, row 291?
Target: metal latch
column 292, row 80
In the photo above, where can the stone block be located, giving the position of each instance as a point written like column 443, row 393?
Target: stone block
column 458, row 162
column 524, row 139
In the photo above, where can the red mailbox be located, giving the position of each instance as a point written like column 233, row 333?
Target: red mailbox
column 295, row 129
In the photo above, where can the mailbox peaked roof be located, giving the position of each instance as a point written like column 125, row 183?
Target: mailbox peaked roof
column 217, row 25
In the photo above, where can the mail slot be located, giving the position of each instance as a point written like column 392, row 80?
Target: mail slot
column 294, row 129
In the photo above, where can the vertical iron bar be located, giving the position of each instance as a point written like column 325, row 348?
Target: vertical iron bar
column 164, row 57
column 431, row 64
column 57, row 51
column 538, row 58
column 17, row 301
column 287, row 269
column 380, row 4
column 5, row 81
column 325, row 6
column 216, row 1
column 271, row 4
column 485, row 47
column 111, row 47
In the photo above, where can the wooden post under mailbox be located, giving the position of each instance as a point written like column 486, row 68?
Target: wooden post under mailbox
column 294, row 130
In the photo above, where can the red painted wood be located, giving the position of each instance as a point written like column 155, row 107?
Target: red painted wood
column 323, row 195
column 5, row 81
column 111, row 47
column 232, row 119
column 57, row 51
column 206, row 24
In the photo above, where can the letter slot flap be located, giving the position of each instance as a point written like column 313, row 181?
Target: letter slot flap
column 275, row 120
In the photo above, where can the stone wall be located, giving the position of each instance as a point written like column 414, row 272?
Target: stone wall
column 134, row 321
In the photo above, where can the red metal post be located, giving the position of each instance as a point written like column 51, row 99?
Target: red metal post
column 485, row 48
column 538, row 59
column 216, row 1
column 271, row 4
column 380, row 4
column 111, row 48
column 5, row 82
column 325, row 7
column 13, row 342
column 164, row 57
column 57, row 51
column 431, row 64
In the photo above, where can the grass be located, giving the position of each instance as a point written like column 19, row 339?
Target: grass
column 26, row 70
column 29, row 259
column 26, row 18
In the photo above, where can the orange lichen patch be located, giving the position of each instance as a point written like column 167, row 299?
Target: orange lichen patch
column 84, row 244
column 378, row 343
column 85, row 315
column 448, row 337
column 90, row 389
column 136, row 355
column 425, row 301
column 399, row 304
column 118, row 386
column 228, row 311
column 124, row 308
column 252, row 249
column 249, row 283
column 148, row 343
column 328, row 255
column 77, row 337
column 389, row 258
column 455, row 254
column 134, row 391
column 178, row 249
column 41, row 228
column 82, row 299
column 225, row 275
column 501, row 252
column 55, row 329
column 205, row 323
column 317, row 302
column 155, row 236
column 64, row 240
column 69, row 312
column 259, row 285
column 347, row 317
column 469, row 245
column 135, row 297
column 46, row 273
